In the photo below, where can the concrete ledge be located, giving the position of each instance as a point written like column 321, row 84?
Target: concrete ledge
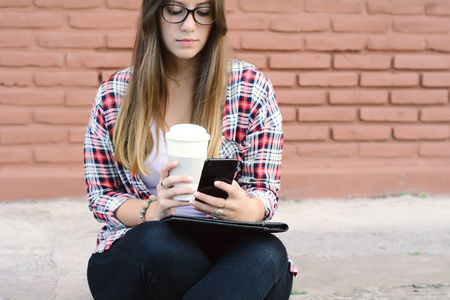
column 47, row 183
column 41, row 183
column 363, row 182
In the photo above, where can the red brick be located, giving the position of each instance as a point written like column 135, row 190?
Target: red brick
column 247, row 22
column 113, row 60
column 421, row 26
column 388, row 150
column 259, row 60
column 335, row 43
column 27, row 59
column 82, row 79
column 15, row 155
column 388, row 114
column 234, row 40
column 67, row 3
column 231, row 6
column 71, row 40
column 289, row 113
column 84, row 97
column 31, row 20
column 366, row 24
column 120, row 40
column 300, row 61
column 389, row 79
column 15, row 3
column 359, row 97
column 420, row 132
column 271, row 42
column 396, row 43
column 327, row 150
column 58, row 116
column 327, row 114
column 435, row 114
column 438, row 8
column 15, row 116
column 421, row 97
column 306, row 133
column 270, row 6
column 439, row 44
column 422, row 62
column 361, row 133
column 61, row 154
column 31, row 97
column 301, row 97
column 103, row 20
column 362, row 61
column 15, row 39
column 16, row 78
column 76, row 135
column 300, row 24
column 322, row 79
column 438, row 149
column 32, row 135
column 334, row 6
column 436, row 79
column 289, row 150
column 120, row 4
column 396, row 7
column 282, row 79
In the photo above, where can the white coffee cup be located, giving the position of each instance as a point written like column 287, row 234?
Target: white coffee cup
column 187, row 144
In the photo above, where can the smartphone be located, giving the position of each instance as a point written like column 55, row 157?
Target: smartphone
column 214, row 169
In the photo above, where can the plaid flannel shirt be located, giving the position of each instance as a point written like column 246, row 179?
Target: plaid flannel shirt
column 252, row 133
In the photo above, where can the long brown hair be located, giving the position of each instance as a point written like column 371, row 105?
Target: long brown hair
column 147, row 94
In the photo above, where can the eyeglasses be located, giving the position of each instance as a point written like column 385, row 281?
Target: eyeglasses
column 173, row 13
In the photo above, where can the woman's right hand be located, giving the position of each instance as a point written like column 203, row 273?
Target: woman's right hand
column 165, row 204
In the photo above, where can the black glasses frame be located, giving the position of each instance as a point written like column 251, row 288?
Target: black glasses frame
column 189, row 11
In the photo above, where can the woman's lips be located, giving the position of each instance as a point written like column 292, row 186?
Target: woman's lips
column 187, row 42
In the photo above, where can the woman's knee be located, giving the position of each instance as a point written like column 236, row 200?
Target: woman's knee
column 160, row 257
column 268, row 249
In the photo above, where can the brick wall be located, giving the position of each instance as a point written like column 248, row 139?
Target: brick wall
column 363, row 87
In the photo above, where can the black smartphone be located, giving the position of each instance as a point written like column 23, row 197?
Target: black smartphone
column 214, row 169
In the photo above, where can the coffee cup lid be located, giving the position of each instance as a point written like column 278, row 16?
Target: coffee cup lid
column 188, row 132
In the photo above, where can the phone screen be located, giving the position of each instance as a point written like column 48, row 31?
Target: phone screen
column 217, row 169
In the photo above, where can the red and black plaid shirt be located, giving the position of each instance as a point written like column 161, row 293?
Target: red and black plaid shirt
column 252, row 133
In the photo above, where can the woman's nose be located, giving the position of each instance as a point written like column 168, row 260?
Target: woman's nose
column 189, row 24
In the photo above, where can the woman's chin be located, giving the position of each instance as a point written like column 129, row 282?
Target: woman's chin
column 186, row 55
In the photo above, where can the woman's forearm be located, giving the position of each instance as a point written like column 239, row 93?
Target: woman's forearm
column 130, row 211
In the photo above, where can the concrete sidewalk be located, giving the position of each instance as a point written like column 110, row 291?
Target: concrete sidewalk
column 394, row 248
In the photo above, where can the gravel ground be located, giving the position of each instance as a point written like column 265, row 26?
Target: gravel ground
column 385, row 248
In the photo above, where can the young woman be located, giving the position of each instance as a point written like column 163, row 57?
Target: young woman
column 182, row 74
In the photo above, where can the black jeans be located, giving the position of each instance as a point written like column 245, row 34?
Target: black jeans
column 156, row 261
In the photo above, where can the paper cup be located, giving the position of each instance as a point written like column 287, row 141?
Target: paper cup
column 187, row 144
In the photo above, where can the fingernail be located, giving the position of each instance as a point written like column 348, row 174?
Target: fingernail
column 196, row 195
column 216, row 183
column 192, row 201
column 174, row 162
column 190, row 178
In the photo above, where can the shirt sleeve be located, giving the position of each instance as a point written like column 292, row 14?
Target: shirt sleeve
column 261, row 165
column 105, row 190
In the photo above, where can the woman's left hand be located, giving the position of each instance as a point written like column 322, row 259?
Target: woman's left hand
column 237, row 207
